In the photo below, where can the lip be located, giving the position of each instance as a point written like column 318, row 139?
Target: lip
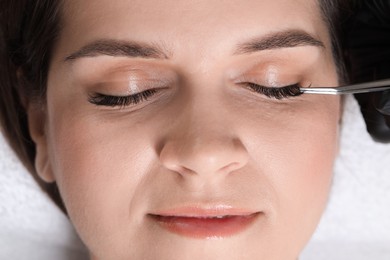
column 205, row 223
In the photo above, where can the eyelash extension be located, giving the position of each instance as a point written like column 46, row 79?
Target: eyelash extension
column 121, row 101
column 277, row 93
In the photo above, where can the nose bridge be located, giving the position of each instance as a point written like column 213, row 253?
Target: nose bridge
column 202, row 142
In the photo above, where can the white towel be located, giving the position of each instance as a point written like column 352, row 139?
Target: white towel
column 356, row 224
column 31, row 226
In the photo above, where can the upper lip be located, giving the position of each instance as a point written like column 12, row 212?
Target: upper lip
column 204, row 211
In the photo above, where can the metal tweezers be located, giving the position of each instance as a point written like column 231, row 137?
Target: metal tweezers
column 368, row 87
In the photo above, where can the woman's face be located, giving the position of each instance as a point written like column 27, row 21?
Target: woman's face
column 199, row 166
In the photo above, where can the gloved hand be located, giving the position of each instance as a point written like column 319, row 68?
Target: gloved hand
column 368, row 48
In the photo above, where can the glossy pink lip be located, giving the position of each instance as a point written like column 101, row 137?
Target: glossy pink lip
column 205, row 223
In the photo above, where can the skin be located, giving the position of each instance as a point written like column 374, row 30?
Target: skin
column 202, row 140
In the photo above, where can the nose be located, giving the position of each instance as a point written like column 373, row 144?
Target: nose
column 205, row 149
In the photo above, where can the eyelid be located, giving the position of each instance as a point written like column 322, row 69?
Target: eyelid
column 126, row 87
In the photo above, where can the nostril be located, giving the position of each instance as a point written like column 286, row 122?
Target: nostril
column 172, row 165
column 182, row 170
column 231, row 167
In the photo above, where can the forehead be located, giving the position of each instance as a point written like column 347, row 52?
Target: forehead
column 207, row 26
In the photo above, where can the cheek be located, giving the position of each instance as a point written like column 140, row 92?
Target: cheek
column 296, row 152
column 99, row 166
column 304, row 180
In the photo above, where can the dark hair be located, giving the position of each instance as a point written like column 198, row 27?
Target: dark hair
column 28, row 33
column 335, row 13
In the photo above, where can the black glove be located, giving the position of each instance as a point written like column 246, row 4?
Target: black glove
column 368, row 48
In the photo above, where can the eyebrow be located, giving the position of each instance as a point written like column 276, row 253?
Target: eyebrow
column 115, row 48
column 278, row 40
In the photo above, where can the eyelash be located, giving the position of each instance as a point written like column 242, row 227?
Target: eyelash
column 123, row 101
column 276, row 93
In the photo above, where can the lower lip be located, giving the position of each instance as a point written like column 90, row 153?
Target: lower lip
column 205, row 227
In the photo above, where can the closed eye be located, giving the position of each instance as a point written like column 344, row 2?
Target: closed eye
column 134, row 99
column 275, row 92
column 121, row 101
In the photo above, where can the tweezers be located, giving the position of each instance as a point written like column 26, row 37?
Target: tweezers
column 368, row 87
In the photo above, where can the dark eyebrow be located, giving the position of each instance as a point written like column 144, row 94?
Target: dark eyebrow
column 285, row 39
column 278, row 40
column 118, row 48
